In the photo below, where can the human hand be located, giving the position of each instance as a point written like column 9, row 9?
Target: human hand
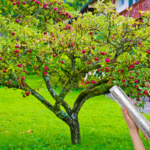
column 130, row 122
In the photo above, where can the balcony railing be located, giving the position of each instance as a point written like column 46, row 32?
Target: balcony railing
column 143, row 5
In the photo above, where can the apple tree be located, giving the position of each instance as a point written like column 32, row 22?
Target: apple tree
column 117, row 47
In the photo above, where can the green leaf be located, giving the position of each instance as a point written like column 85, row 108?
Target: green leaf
column 141, row 75
column 126, row 71
column 143, row 106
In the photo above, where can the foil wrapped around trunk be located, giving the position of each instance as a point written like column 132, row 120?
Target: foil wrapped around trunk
column 124, row 101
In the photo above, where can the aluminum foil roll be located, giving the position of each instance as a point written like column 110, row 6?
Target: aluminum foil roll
column 124, row 101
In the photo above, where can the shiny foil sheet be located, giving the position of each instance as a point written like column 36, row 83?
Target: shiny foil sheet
column 124, row 101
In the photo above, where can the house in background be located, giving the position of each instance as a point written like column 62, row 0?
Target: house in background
column 143, row 5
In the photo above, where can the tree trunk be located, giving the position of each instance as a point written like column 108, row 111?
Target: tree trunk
column 75, row 133
column 72, row 122
column 74, row 69
column 75, row 85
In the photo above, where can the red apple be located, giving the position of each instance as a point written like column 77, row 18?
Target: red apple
column 131, row 66
column 13, row 33
column 19, row 65
column 107, row 60
column 140, row 43
column 96, row 58
column 4, row 71
column 135, row 86
column 23, row 78
column 72, row 44
column 45, row 73
column 130, row 40
column 23, row 3
column 17, row 20
column 145, row 92
column 124, row 80
column 83, row 51
column 30, row 51
column 112, row 37
column 46, row 68
column 55, row 8
column 67, row 13
column 102, row 53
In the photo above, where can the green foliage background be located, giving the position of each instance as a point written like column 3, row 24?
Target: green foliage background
column 78, row 4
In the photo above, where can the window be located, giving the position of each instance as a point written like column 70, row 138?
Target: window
column 132, row 2
column 121, row 2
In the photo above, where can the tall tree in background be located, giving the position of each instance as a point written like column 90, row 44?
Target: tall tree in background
column 76, row 4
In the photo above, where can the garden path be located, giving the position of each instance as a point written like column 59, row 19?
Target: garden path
column 146, row 109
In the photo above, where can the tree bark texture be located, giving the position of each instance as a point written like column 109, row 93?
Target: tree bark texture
column 75, row 86
column 75, row 132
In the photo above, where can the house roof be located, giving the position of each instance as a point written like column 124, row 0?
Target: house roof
column 85, row 7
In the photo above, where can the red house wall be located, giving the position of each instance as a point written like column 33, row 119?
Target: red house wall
column 143, row 5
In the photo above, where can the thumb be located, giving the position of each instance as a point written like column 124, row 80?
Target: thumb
column 125, row 113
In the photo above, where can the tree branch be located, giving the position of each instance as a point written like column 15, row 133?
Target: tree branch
column 33, row 92
column 86, row 92
column 49, row 87
column 88, row 68
column 67, row 107
column 89, row 94
column 37, row 95
column 59, row 113
column 66, row 72
column 60, row 100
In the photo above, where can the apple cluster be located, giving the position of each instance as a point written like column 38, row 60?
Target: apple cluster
column 58, row 45
column 53, row 8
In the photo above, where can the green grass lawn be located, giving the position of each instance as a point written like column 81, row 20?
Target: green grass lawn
column 102, row 125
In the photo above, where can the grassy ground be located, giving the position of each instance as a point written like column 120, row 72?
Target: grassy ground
column 101, row 123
